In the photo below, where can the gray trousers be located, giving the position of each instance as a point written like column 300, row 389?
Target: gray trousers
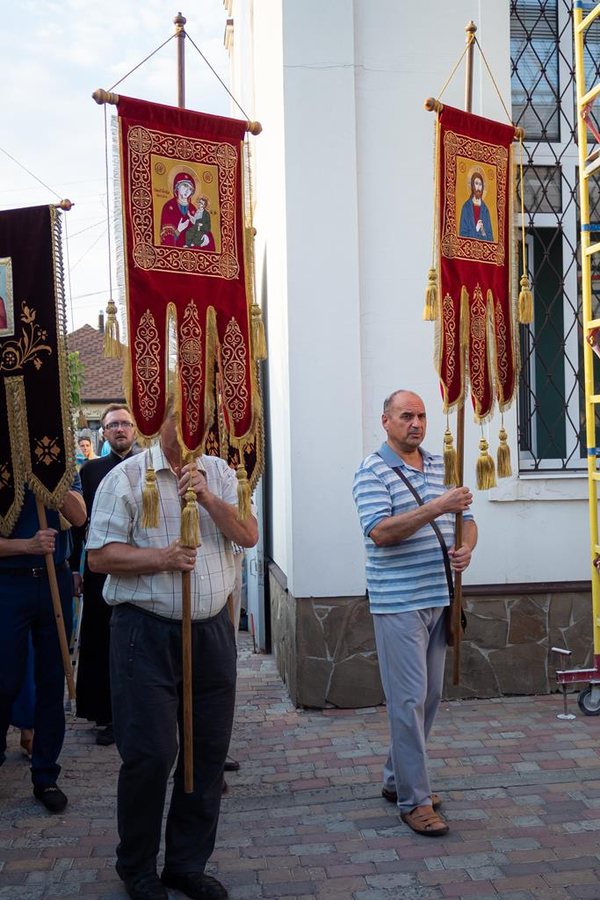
column 411, row 647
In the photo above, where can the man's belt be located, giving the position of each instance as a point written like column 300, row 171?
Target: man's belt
column 31, row 571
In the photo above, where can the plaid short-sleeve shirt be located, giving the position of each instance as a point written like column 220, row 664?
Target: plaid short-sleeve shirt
column 116, row 518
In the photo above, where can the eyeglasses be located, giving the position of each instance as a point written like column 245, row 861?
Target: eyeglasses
column 113, row 426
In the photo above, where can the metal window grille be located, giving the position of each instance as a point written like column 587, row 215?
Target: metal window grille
column 551, row 400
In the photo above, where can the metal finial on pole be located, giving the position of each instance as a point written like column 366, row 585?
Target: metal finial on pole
column 179, row 22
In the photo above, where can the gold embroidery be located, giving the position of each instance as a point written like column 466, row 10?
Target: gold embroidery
column 477, row 345
column 147, row 369
column 449, row 332
column 501, row 349
column 190, row 365
column 235, row 355
column 5, row 476
column 47, row 450
column 452, row 245
column 144, row 142
column 15, row 354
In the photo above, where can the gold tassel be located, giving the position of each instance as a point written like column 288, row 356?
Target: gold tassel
column 259, row 343
column 81, row 419
column 486, row 470
column 190, row 521
column 243, row 494
column 149, row 500
column 504, row 467
column 112, row 344
column 432, row 306
column 525, row 302
column 450, row 460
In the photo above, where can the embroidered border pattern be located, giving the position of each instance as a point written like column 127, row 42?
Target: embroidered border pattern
column 147, row 367
column 190, row 364
column 141, row 143
column 478, row 343
column 501, row 349
column 449, row 337
column 452, row 244
column 235, row 363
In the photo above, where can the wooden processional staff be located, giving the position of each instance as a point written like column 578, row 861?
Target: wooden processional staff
column 431, row 105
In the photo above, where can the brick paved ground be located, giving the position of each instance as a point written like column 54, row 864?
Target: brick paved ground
column 304, row 818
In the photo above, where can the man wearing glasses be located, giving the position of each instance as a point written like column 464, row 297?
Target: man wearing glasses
column 93, row 680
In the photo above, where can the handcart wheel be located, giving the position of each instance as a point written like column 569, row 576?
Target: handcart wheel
column 588, row 704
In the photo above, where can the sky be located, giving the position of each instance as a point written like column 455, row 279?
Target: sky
column 55, row 54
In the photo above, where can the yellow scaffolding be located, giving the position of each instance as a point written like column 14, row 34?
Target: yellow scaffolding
column 584, row 13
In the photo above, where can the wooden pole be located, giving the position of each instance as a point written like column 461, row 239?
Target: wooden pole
column 58, row 615
column 471, row 28
column 186, row 615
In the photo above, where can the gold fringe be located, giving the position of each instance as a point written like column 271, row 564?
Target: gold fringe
column 259, row 343
column 432, row 304
column 150, row 497
column 525, row 302
column 503, row 454
column 243, row 493
column 486, row 470
column 112, row 343
column 450, row 460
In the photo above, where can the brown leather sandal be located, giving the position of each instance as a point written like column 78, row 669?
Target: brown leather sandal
column 392, row 797
column 424, row 820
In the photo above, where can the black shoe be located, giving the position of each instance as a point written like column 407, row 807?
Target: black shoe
column 231, row 765
column 106, row 736
column 143, row 886
column 52, row 797
column 196, row 885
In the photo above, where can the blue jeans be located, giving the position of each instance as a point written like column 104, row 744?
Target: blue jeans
column 26, row 606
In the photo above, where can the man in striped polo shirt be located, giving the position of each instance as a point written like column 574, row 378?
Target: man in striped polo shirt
column 408, row 594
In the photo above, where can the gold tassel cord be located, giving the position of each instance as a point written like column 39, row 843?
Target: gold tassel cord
column 432, row 304
column 150, row 497
column 503, row 455
column 243, row 492
column 486, row 470
column 112, row 343
column 190, row 517
column 450, row 460
column 525, row 295
column 259, row 343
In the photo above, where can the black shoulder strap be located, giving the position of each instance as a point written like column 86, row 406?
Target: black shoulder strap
column 433, row 524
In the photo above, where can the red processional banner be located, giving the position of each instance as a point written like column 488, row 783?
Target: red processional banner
column 187, row 249
column 477, row 323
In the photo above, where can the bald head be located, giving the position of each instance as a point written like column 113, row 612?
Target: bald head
column 390, row 401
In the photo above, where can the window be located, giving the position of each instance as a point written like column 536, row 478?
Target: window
column 550, row 410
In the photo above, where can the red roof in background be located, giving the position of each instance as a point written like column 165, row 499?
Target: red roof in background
column 103, row 378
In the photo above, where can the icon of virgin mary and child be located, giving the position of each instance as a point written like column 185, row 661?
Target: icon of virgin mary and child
column 181, row 223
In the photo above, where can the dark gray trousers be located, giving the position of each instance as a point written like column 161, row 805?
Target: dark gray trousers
column 146, row 686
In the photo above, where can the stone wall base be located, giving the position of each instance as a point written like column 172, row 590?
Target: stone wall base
column 325, row 647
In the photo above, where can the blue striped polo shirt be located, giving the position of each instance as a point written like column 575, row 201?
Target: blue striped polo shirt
column 408, row 575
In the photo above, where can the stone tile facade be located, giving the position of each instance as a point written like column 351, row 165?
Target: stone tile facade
column 325, row 647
